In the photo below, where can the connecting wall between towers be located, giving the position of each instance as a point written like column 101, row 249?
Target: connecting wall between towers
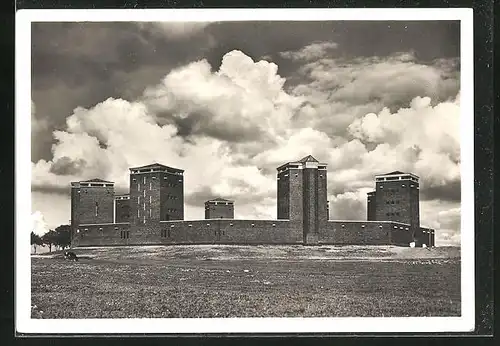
column 226, row 231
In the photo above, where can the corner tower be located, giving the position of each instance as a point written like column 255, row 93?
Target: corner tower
column 397, row 197
column 302, row 195
column 92, row 202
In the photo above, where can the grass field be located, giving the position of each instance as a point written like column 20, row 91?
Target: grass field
column 247, row 281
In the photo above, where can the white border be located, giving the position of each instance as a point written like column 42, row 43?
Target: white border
column 23, row 321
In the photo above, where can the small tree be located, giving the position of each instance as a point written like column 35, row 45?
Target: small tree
column 49, row 239
column 63, row 236
column 35, row 240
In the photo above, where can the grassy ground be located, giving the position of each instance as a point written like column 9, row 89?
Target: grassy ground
column 247, row 281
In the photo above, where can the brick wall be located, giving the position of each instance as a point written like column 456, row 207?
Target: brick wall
column 148, row 233
column 296, row 207
column 393, row 201
column 310, row 203
column 135, row 199
column 371, row 206
column 101, row 235
column 283, row 195
column 223, row 231
column 75, row 207
column 418, row 236
column 401, row 234
column 398, row 201
column 217, row 231
column 414, row 196
column 322, row 198
column 214, row 231
column 122, row 210
column 156, row 196
column 145, row 198
column 172, row 196
column 365, row 233
column 424, row 236
column 96, row 204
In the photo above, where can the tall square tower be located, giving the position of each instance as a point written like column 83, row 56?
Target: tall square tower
column 156, row 194
column 92, row 202
column 302, row 195
column 219, row 208
column 398, row 198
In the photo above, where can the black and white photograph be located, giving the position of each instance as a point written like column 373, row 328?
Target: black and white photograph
column 241, row 171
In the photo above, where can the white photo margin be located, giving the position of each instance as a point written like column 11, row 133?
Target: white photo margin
column 25, row 324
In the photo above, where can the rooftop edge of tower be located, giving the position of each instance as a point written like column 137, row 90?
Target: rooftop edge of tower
column 219, row 199
column 396, row 175
column 154, row 166
column 306, row 162
column 96, row 182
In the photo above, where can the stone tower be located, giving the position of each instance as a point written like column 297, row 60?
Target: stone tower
column 397, row 198
column 219, row 208
column 302, row 195
column 156, row 194
column 92, row 202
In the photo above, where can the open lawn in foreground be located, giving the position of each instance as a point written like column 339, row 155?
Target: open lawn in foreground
column 247, row 281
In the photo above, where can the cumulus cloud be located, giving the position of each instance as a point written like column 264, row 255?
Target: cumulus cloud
column 348, row 205
column 55, row 206
column 38, row 224
column 449, row 224
column 340, row 90
column 243, row 101
column 230, row 127
column 297, row 144
column 104, row 141
column 445, row 218
column 421, row 138
column 450, row 219
column 310, row 52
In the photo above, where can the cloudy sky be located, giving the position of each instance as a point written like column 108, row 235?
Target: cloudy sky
column 229, row 102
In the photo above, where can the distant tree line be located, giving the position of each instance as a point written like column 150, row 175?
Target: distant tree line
column 60, row 237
